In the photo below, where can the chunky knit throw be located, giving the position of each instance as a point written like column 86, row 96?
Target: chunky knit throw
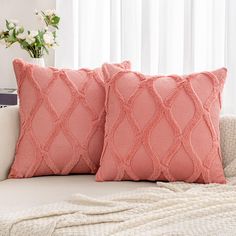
column 167, row 209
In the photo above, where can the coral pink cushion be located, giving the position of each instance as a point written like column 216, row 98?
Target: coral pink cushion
column 162, row 127
column 62, row 120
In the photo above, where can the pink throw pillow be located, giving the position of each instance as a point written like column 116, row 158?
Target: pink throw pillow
column 162, row 127
column 61, row 120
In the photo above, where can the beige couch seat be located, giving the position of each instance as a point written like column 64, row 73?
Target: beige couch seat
column 20, row 194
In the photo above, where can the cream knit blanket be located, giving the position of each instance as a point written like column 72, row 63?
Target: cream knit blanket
column 167, row 209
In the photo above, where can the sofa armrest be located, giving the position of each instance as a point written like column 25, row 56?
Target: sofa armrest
column 9, row 131
column 228, row 144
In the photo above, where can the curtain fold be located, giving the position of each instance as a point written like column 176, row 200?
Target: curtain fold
column 158, row 36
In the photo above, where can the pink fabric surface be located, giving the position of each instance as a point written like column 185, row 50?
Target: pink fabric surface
column 62, row 120
column 162, row 127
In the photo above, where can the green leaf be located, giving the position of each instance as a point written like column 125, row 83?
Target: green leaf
column 14, row 33
column 55, row 26
column 38, row 41
column 7, row 25
column 24, row 44
column 11, row 39
column 43, row 14
column 45, row 49
column 56, row 20
column 21, row 30
column 39, row 38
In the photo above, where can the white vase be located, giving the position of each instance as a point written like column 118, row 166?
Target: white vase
column 38, row 61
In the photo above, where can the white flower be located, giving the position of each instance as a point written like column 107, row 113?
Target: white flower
column 50, row 12
column 21, row 36
column 54, row 45
column 48, row 38
column 33, row 33
column 11, row 25
column 29, row 39
column 11, row 32
column 18, row 28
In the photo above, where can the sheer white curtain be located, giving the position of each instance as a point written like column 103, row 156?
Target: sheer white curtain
column 157, row 36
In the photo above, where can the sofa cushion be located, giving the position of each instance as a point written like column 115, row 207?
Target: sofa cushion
column 162, row 127
column 19, row 194
column 61, row 120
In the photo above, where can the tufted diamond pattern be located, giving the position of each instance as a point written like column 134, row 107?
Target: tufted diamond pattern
column 162, row 127
column 62, row 120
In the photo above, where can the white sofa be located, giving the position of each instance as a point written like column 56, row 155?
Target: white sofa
column 18, row 194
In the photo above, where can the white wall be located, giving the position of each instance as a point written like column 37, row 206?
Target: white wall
column 22, row 10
